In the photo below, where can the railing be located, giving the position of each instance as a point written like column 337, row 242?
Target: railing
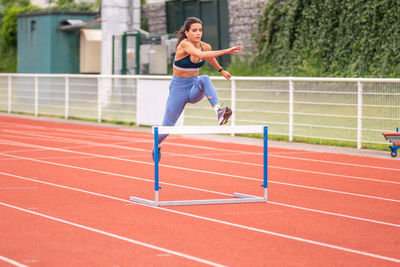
column 342, row 109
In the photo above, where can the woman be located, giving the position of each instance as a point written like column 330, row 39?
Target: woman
column 186, row 85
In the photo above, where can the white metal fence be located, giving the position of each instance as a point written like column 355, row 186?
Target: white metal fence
column 343, row 109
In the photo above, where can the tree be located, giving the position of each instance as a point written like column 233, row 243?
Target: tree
column 9, row 28
column 7, row 4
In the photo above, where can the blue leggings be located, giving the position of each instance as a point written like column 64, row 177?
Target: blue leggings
column 183, row 91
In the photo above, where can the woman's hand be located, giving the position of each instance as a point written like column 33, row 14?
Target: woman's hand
column 234, row 50
column 226, row 74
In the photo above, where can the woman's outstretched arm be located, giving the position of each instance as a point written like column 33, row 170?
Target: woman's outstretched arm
column 189, row 48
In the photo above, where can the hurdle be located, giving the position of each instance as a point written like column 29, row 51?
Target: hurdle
column 182, row 130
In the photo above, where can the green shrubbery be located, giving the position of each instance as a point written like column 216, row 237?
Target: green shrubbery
column 9, row 28
column 8, row 33
column 340, row 38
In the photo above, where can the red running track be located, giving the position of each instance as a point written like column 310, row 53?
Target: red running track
column 65, row 188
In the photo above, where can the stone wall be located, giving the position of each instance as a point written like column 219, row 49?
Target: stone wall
column 157, row 17
column 243, row 16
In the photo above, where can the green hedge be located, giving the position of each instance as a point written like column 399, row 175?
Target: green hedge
column 346, row 38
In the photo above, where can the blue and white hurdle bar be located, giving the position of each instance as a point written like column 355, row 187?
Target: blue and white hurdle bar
column 182, row 130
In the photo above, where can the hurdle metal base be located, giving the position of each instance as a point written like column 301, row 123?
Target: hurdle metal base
column 239, row 198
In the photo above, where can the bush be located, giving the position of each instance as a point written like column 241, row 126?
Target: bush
column 330, row 38
column 8, row 61
column 9, row 28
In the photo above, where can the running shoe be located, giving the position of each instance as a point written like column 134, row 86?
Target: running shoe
column 159, row 154
column 223, row 115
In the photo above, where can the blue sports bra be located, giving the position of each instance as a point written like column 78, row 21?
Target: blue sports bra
column 186, row 65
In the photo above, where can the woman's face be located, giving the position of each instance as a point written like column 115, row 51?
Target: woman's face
column 195, row 32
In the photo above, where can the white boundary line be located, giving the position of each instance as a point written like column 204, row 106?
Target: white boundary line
column 23, row 134
column 121, row 131
column 56, row 134
column 133, row 241
column 231, row 224
column 336, row 163
column 80, row 141
column 280, row 156
column 222, row 160
column 66, row 147
column 285, row 168
column 220, row 193
column 122, row 134
column 12, row 262
column 67, row 157
column 116, row 174
column 240, row 162
column 61, row 139
column 188, row 169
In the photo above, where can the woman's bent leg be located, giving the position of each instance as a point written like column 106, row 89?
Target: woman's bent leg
column 175, row 103
column 204, row 87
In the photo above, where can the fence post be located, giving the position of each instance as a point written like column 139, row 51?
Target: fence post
column 9, row 93
column 291, row 100
column 66, row 97
column 233, row 103
column 359, row 114
column 36, row 95
column 98, row 99
column 137, row 106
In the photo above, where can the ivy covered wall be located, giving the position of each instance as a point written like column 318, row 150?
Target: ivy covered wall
column 330, row 38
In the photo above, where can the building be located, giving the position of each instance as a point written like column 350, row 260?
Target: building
column 46, row 44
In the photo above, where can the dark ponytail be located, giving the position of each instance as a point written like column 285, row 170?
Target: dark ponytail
column 186, row 26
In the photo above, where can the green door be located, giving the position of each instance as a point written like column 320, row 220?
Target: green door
column 213, row 13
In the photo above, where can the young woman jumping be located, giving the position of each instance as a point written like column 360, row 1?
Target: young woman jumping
column 186, row 85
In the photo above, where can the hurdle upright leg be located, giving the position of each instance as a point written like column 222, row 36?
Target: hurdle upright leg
column 265, row 178
column 156, row 169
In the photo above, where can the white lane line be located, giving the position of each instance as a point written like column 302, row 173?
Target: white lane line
column 61, row 139
column 77, row 141
column 77, row 136
column 17, row 188
column 337, row 163
column 284, row 168
column 74, row 157
column 233, row 224
column 273, row 155
column 255, row 153
column 13, row 124
column 279, row 156
column 112, row 133
column 336, row 214
column 190, row 170
column 44, row 149
column 132, row 241
column 275, row 203
column 337, row 175
column 118, row 175
column 247, row 163
column 338, row 192
column 12, row 262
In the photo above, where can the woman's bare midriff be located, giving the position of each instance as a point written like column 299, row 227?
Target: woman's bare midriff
column 185, row 74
